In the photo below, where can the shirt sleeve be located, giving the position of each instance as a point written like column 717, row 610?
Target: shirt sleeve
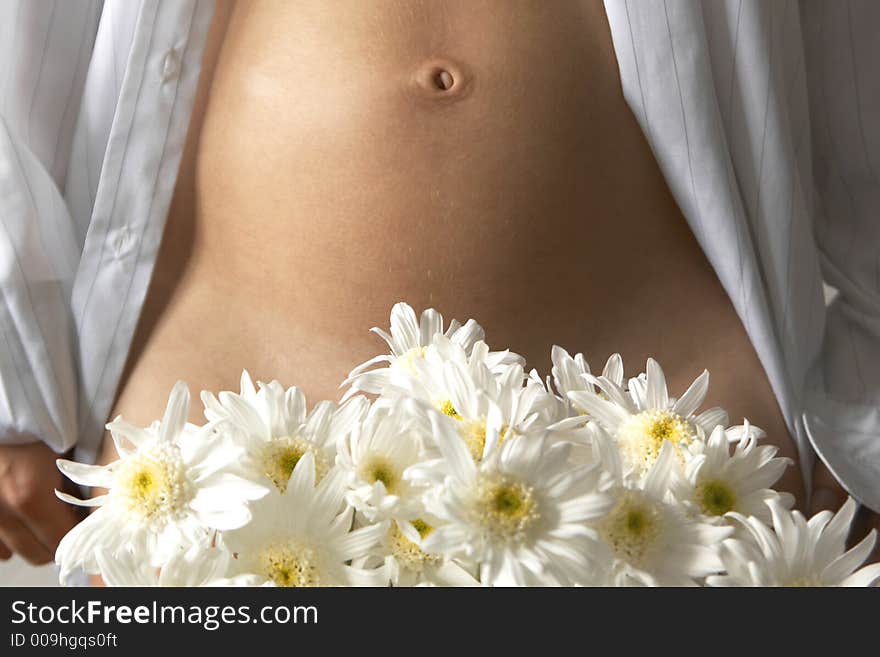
column 38, row 257
column 759, row 114
column 45, row 49
column 842, row 51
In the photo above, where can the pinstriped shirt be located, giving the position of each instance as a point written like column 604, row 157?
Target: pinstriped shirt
column 765, row 120
column 95, row 99
column 764, row 117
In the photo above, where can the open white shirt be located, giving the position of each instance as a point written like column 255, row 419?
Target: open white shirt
column 764, row 117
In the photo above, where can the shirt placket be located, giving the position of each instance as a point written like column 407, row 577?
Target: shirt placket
column 134, row 193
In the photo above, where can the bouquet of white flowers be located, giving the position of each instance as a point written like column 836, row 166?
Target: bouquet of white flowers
column 448, row 464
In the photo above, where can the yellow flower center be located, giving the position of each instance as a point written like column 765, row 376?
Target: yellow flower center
column 407, row 361
column 641, row 436
column 505, row 508
column 289, row 564
column 152, row 485
column 448, row 409
column 378, row 469
column 505, row 433
column 632, row 527
column 423, row 528
column 473, row 433
column 281, row 455
column 474, row 436
column 408, row 554
column 715, row 497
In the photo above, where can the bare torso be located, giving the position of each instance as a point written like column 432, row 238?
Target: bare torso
column 474, row 156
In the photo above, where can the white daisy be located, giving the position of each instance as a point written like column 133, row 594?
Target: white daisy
column 485, row 408
column 572, row 375
column 273, row 427
column 303, row 537
column 797, row 552
column 568, row 372
column 408, row 340
column 646, row 539
column 526, row 404
column 520, row 514
column 715, row 482
column 173, row 484
column 197, row 566
column 409, row 565
column 462, row 398
column 375, row 456
column 643, row 418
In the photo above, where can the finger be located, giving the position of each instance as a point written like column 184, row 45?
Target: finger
column 49, row 519
column 827, row 493
column 22, row 542
column 5, row 552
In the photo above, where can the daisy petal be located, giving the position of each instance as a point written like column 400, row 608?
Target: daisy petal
column 356, row 543
column 404, row 328
column 846, row 563
column 693, row 397
column 84, row 474
column 176, row 413
column 711, row 418
column 91, row 501
column 453, row 449
column 431, row 323
column 656, row 394
column 608, row 415
column 614, row 369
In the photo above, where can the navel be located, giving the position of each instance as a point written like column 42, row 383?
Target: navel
column 442, row 79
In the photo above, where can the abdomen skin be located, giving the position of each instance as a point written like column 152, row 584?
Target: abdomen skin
column 476, row 156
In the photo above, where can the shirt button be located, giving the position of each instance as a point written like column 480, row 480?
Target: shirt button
column 170, row 65
column 122, row 242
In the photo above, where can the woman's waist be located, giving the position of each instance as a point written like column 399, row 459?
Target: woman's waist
column 206, row 334
column 306, row 321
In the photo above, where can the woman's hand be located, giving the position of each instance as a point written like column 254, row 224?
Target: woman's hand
column 32, row 520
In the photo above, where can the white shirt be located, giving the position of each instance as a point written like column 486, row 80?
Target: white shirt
column 764, row 117
column 95, row 103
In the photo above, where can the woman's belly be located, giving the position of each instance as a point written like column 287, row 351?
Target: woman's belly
column 474, row 156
